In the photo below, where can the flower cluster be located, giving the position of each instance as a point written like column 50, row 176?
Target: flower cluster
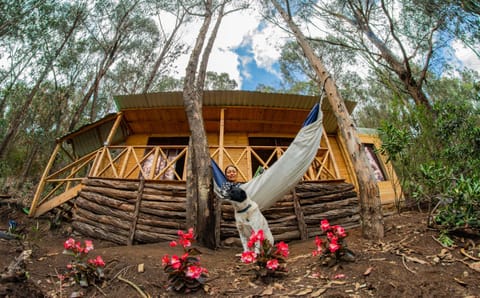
column 268, row 259
column 184, row 273
column 83, row 270
column 334, row 248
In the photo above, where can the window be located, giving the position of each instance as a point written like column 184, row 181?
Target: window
column 375, row 162
column 171, row 154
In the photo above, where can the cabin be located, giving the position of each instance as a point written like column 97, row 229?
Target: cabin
column 123, row 177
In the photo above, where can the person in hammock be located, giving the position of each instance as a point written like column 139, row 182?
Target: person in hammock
column 231, row 173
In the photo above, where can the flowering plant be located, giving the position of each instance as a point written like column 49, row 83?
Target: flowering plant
column 184, row 273
column 334, row 248
column 269, row 260
column 83, row 270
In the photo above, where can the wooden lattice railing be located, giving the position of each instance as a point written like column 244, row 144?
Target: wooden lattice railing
column 159, row 163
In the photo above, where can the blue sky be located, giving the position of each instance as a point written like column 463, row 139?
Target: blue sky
column 252, row 74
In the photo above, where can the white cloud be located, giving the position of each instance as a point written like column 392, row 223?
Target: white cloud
column 238, row 29
column 466, row 56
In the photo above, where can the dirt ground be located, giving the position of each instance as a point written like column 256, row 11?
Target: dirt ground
column 408, row 262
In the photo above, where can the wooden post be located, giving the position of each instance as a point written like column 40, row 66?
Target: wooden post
column 141, row 185
column 302, row 227
column 114, row 129
column 330, row 154
column 41, row 185
column 220, row 138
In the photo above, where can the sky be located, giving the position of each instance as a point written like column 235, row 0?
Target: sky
column 248, row 50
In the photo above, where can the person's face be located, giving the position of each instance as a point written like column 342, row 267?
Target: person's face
column 231, row 174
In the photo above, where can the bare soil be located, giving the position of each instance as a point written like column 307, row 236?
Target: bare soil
column 408, row 262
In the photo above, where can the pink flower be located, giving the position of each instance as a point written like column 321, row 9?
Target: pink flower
column 334, row 240
column 78, row 247
column 175, row 262
column 272, row 264
column 333, row 247
column 248, row 257
column 282, row 249
column 194, row 271
column 330, row 235
column 173, row 243
column 69, row 243
column 254, row 237
column 165, row 260
column 340, row 231
column 318, row 241
column 69, row 266
column 185, row 238
column 324, row 225
column 97, row 261
column 88, row 246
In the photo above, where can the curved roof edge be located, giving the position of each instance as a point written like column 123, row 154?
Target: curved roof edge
column 224, row 98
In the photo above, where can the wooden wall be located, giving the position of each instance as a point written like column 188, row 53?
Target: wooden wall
column 126, row 212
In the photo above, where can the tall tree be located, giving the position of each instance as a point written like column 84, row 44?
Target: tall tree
column 14, row 125
column 369, row 196
column 404, row 41
column 199, row 180
column 114, row 39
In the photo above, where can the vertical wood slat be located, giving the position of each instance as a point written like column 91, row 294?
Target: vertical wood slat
column 137, row 211
column 302, row 227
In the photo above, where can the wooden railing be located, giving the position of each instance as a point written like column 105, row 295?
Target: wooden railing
column 161, row 163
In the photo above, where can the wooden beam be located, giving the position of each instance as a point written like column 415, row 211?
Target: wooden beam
column 41, row 185
column 220, row 138
column 114, row 128
column 57, row 201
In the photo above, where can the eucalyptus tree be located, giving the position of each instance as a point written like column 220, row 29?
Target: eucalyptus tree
column 49, row 36
column 403, row 41
column 201, row 211
column 369, row 195
column 150, row 61
column 112, row 27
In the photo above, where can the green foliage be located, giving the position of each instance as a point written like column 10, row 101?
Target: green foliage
column 437, row 154
column 461, row 208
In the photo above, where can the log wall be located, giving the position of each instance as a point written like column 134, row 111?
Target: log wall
column 126, row 212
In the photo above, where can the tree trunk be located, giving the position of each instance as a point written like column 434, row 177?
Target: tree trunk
column 369, row 195
column 200, row 182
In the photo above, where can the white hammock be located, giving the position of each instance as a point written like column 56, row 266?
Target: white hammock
column 288, row 170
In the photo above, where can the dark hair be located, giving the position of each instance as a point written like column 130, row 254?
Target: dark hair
column 230, row 166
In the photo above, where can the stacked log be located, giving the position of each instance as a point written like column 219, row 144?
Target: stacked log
column 123, row 212
column 298, row 214
column 128, row 212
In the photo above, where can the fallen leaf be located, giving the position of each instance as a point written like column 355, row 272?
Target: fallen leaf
column 368, row 271
column 267, row 292
column 318, row 292
column 461, row 282
column 475, row 266
column 304, row 292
